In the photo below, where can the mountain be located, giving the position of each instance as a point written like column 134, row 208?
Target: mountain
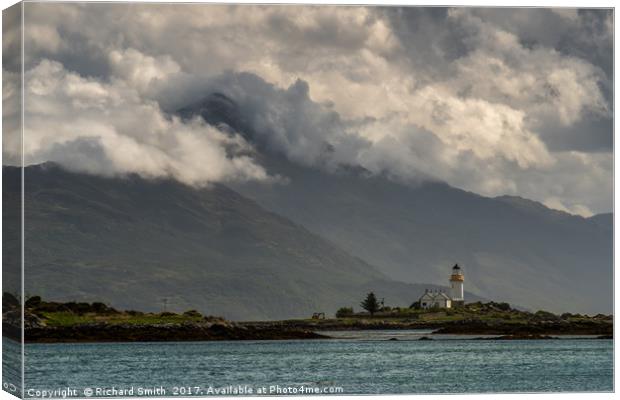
column 512, row 249
column 132, row 242
column 604, row 221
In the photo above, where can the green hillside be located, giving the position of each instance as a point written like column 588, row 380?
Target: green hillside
column 133, row 242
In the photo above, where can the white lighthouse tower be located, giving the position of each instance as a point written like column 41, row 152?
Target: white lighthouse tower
column 456, row 285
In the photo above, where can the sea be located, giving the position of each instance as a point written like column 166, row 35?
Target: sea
column 361, row 362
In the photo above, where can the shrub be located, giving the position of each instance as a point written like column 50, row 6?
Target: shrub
column 101, row 308
column 51, row 307
column 9, row 300
column 166, row 314
column 82, row 308
column 545, row 315
column 33, row 301
column 344, row 312
column 192, row 313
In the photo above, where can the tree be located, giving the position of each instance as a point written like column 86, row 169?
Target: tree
column 370, row 304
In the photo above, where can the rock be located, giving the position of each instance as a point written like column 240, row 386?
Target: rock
column 14, row 318
column 425, row 338
column 523, row 337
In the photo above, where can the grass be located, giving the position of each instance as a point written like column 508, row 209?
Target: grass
column 69, row 318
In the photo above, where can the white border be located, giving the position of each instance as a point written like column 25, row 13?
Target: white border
column 483, row 3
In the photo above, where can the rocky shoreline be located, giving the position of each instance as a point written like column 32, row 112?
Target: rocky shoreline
column 104, row 332
column 462, row 327
column 160, row 333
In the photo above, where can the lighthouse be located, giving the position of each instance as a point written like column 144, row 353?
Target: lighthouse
column 456, row 285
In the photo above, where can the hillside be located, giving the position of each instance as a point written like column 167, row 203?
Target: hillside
column 524, row 254
column 132, row 242
column 513, row 249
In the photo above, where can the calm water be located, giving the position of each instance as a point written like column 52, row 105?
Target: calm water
column 355, row 363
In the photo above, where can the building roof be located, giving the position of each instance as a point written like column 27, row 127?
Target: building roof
column 427, row 296
column 445, row 296
column 432, row 296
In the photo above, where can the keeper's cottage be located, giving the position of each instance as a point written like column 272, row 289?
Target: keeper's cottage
column 439, row 299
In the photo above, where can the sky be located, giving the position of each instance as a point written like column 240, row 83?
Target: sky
column 494, row 101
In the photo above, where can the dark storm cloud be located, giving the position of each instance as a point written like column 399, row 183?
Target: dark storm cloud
column 431, row 42
column 583, row 33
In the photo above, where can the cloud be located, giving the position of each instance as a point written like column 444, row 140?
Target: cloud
column 472, row 144
column 515, row 101
column 537, row 79
column 289, row 122
column 139, row 70
column 108, row 128
column 11, row 118
column 578, row 209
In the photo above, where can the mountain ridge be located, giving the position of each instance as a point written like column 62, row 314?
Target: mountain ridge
column 513, row 249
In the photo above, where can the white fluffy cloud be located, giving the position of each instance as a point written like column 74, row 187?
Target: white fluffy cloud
column 487, row 100
column 108, row 128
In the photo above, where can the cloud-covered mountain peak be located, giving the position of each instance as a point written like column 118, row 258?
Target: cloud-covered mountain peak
column 216, row 109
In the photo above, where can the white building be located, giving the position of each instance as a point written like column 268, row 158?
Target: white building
column 435, row 299
column 439, row 299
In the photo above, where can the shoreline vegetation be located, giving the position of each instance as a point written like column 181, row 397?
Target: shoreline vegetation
column 49, row 322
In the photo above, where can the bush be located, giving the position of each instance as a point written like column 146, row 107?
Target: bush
column 503, row 306
column 101, row 308
column 192, row 313
column 9, row 302
column 51, row 307
column 541, row 314
column 344, row 312
column 33, row 301
column 166, row 314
